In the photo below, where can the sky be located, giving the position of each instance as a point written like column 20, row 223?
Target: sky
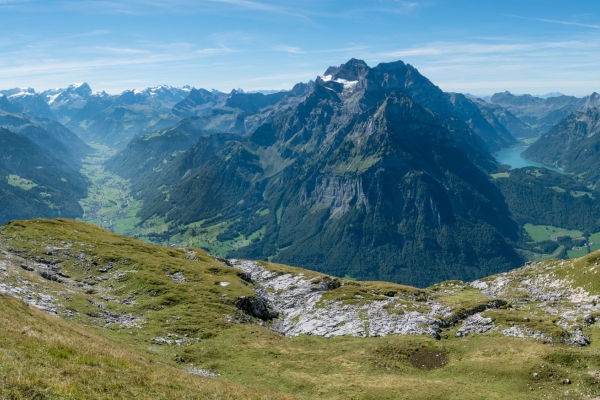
column 469, row 46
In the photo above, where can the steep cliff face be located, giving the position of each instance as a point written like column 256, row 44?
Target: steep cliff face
column 336, row 192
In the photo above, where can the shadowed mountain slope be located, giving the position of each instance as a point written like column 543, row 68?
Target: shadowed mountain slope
column 572, row 145
column 359, row 178
column 33, row 183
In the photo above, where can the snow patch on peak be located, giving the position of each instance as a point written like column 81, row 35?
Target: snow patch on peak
column 160, row 87
column 76, row 85
column 348, row 85
column 52, row 98
column 21, row 94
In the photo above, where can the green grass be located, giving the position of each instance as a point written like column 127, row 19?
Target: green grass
column 500, row 175
column 577, row 193
column 17, row 181
column 43, row 357
column 574, row 193
column 109, row 203
column 537, row 232
column 540, row 233
column 583, row 272
column 575, row 253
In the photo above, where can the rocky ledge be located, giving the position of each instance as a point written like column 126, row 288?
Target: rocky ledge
column 304, row 309
column 296, row 304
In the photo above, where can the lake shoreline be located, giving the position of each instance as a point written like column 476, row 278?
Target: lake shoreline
column 511, row 156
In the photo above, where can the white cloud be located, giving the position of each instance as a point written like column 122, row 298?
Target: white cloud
column 553, row 21
column 247, row 4
column 120, row 50
column 287, row 49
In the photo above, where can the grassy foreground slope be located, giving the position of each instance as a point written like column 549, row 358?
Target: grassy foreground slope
column 44, row 357
column 136, row 319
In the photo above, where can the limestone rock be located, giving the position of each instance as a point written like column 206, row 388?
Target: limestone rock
column 475, row 324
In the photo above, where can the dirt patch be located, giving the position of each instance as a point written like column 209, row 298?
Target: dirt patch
column 428, row 359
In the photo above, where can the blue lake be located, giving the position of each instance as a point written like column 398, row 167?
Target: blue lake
column 512, row 157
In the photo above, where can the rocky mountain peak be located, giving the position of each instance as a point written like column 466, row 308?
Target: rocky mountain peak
column 502, row 96
column 301, row 89
column 19, row 92
column 82, row 89
column 353, row 70
column 7, row 106
column 591, row 101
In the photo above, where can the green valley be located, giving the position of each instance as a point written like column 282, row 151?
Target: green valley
column 109, row 203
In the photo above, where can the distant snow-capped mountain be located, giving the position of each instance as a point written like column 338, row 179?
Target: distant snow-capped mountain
column 30, row 101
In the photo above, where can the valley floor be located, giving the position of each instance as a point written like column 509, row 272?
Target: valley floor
column 109, row 203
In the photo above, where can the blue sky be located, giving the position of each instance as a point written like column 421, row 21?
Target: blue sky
column 481, row 47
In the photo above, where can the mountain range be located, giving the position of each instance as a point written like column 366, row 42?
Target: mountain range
column 540, row 114
column 314, row 185
column 368, row 172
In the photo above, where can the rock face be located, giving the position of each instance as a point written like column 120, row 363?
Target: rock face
column 323, row 306
column 523, row 332
column 541, row 287
column 32, row 103
column 255, row 307
column 203, row 372
column 304, row 311
column 475, row 324
column 40, row 282
column 65, row 103
column 177, row 277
